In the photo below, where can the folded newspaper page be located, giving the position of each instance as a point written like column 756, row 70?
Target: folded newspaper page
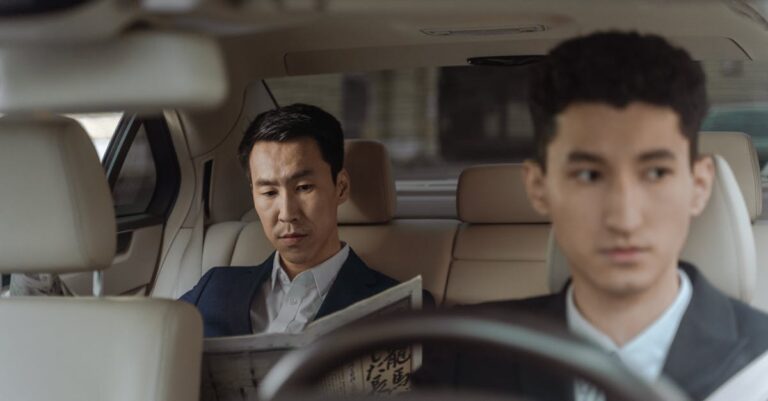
column 234, row 366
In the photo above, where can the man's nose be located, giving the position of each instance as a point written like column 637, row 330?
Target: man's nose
column 623, row 213
column 289, row 208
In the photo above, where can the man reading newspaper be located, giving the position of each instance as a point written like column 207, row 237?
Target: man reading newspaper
column 294, row 158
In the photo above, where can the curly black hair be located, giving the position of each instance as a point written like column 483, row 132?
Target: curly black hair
column 617, row 68
column 293, row 122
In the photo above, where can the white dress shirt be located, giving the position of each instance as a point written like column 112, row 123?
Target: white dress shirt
column 646, row 353
column 285, row 306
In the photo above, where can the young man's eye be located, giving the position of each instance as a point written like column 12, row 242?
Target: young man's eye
column 587, row 175
column 269, row 194
column 657, row 173
column 305, row 187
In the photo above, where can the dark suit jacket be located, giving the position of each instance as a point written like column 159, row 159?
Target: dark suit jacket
column 224, row 294
column 717, row 337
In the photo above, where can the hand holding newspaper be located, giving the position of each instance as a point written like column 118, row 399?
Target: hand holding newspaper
column 234, row 366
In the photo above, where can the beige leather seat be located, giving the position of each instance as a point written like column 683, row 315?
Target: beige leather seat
column 737, row 149
column 720, row 242
column 501, row 246
column 401, row 249
column 56, row 216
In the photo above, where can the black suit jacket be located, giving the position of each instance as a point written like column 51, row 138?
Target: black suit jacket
column 224, row 294
column 717, row 337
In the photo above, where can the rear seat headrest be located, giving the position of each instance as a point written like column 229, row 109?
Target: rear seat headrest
column 495, row 193
column 372, row 198
column 720, row 241
column 737, row 149
column 56, row 211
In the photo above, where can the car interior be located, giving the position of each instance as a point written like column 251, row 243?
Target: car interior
column 133, row 227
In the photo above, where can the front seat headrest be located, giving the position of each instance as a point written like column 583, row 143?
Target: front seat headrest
column 56, row 210
column 737, row 149
column 495, row 193
column 720, row 241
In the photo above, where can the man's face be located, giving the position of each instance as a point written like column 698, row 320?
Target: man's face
column 620, row 192
column 297, row 200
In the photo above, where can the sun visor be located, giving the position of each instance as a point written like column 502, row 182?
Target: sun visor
column 142, row 71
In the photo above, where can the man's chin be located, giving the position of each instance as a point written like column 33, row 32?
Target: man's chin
column 620, row 280
column 293, row 255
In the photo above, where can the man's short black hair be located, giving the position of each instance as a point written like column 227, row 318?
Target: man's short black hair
column 293, row 122
column 617, row 68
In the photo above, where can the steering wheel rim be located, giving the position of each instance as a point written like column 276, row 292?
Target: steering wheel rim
column 304, row 367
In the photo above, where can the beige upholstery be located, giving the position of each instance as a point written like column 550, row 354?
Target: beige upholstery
column 720, row 242
column 56, row 213
column 501, row 246
column 760, row 230
column 372, row 197
column 99, row 349
column 737, row 149
column 740, row 153
column 495, row 194
column 400, row 249
column 57, row 216
column 403, row 249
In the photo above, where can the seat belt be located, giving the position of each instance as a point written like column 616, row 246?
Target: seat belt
column 749, row 384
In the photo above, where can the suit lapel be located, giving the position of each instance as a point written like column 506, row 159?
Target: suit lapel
column 707, row 347
column 354, row 282
column 241, row 296
column 540, row 384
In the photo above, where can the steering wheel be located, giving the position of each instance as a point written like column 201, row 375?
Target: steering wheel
column 563, row 354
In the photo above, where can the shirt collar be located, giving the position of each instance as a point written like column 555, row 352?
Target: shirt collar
column 645, row 354
column 323, row 274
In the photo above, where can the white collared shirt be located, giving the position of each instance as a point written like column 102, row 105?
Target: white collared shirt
column 646, row 353
column 285, row 306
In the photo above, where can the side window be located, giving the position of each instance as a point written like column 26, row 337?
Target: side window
column 101, row 127
column 136, row 182
column 143, row 171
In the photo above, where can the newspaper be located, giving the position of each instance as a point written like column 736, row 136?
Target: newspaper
column 234, row 366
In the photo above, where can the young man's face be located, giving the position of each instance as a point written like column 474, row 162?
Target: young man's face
column 297, row 200
column 620, row 191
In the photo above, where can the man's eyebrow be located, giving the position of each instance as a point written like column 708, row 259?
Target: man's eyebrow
column 262, row 182
column 301, row 174
column 656, row 155
column 577, row 156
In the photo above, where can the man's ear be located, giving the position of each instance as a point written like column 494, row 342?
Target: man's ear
column 703, row 178
column 342, row 186
column 533, row 176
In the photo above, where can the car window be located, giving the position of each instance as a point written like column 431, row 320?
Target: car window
column 142, row 170
column 437, row 121
column 738, row 93
column 100, row 127
column 434, row 121
column 136, row 182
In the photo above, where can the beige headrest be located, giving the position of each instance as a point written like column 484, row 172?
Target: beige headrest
column 720, row 241
column 56, row 212
column 495, row 193
column 372, row 198
column 740, row 153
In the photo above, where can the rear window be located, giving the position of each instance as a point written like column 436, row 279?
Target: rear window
column 434, row 121
column 437, row 121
